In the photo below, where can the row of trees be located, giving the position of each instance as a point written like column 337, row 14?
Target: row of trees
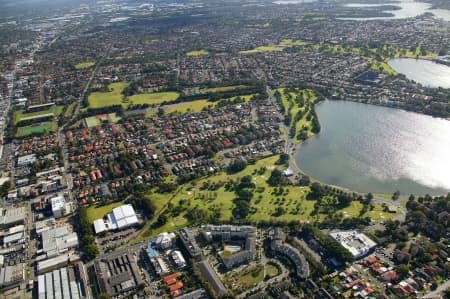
column 88, row 246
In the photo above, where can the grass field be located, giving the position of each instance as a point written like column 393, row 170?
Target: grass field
column 18, row 116
column 292, row 108
column 28, row 130
column 290, row 42
column 92, row 121
column 264, row 203
column 263, row 49
column 271, row 270
column 153, row 98
column 251, row 277
column 383, row 67
column 196, row 106
column 197, row 53
column 84, row 65
column 113, row 118
column 105, row 99
column 191, row 106
column 115, row 97
column 96, row 212
column 222, row 89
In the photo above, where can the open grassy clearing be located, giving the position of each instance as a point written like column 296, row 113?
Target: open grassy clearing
column 18, row 116
column 290, row 42
column 197, row 105
column 85, row 65
column 115, row 97
column 185, row 107
column 222, row 89
column 105, row 99
column 92, row 121
column 28, row 130
column 197, row 53
column 383, row 68
column 96, row 212
column 292, row 108
column 271, row 270
column 247, row 278
column 263, row 49
column 152, row 98
column 264, row 205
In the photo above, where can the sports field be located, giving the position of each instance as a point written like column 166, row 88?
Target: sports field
column 197, row 53
column 153, row 98
column 84, row 65
column 262, row 49
column 28, row 130
column 115, row 97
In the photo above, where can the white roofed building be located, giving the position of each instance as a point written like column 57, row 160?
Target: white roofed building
column 120, row 218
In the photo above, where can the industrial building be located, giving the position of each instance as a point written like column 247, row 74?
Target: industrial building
column 60, row 207
column 117, row 273
column 64, row 283
column 10, row 276
column 358, row 244
column 57, row 262
column 12, row 216
column 58, row 240
column 120, row 218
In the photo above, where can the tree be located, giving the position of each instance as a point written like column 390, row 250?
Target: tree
column 275, row 178
column 5, row 188
column 396, row 195
column 236, row 166
column 403, row 270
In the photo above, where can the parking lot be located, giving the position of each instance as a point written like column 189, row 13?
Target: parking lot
column 115, row 239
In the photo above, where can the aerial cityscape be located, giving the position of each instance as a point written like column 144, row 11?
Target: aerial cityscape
column 242, row 149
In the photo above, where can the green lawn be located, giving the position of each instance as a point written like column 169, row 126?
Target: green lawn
column 85, row 65
column 18, row 116
column 28, row 130
column 197, row 105
column 251, row 277
column 197, row 53
column 115, row 97
column 222, row 89
column 383, row 67
column 96, row 212
column 191, row 106
column 263, row 49
column 271, row 270
column 92, row 121
column 263, row 204
column 153, row 98
column 291, row 108
column 290, row 42
column 105, row 99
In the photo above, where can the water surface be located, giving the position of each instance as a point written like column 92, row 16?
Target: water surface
column 369, row 148
column 425, row 72
column 407, row 9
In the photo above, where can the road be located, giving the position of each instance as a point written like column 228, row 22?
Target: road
column 438, row 293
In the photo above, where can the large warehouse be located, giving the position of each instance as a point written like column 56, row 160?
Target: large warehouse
column 120, row 218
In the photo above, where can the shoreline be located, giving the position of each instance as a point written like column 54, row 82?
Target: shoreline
column 294, row 148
